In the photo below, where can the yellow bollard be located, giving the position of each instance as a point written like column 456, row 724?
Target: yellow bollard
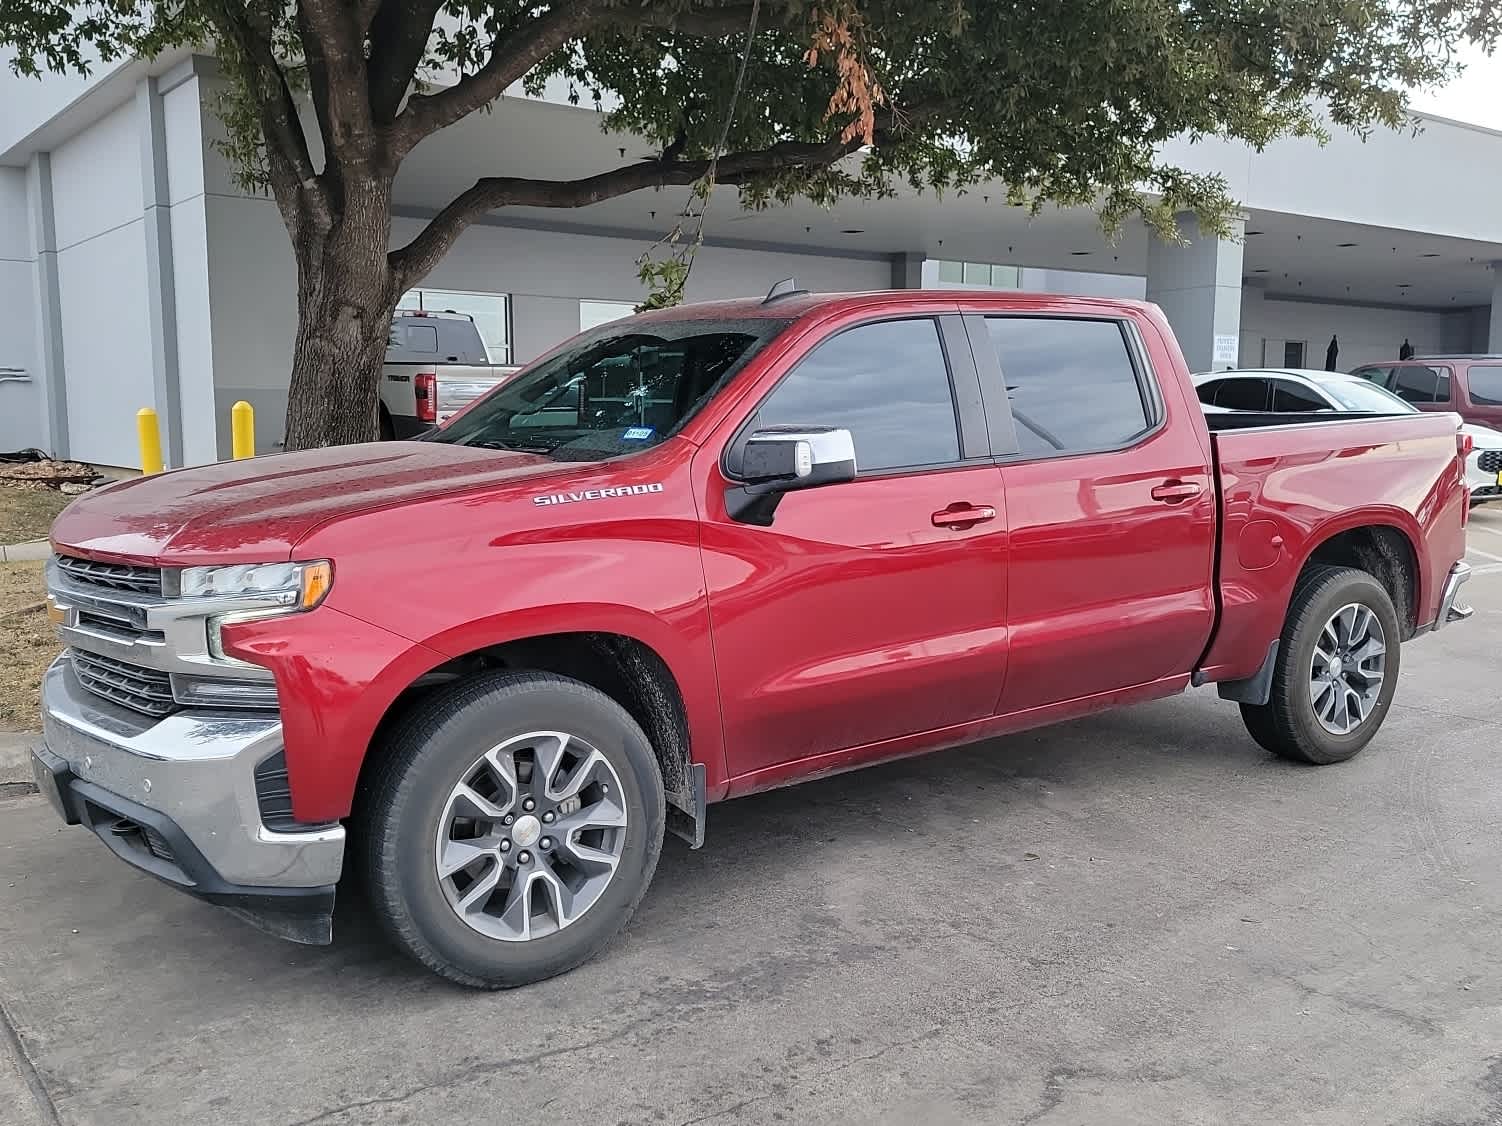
column 150, row 437
column 242, row 427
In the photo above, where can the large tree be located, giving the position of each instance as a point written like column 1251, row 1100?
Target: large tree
column 1061, row 102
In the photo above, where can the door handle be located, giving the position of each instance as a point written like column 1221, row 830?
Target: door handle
column 961, row 515
column 1174, row 492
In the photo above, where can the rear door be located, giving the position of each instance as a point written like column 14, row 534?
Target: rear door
column 1426, row 386
column 1111, row 510
column 1483, row 387
column 874, row 609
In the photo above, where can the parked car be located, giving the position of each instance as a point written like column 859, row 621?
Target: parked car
column 1283, row 390
column 436, row 365
column 1469, row 385
column 699, row 553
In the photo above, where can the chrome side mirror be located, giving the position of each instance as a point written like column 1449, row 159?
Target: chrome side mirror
column 784, row 459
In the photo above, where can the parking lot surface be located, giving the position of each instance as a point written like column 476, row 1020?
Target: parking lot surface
column 1135, row 918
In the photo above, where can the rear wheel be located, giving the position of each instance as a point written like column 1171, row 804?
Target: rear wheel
column 1336, row 671
column 512, row 828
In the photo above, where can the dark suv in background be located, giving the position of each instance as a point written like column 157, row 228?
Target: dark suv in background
column 1469, row 385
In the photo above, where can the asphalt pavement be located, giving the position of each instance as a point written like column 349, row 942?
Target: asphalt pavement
column 1135, row 918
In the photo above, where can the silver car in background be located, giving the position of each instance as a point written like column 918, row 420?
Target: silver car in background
column 1304, row 390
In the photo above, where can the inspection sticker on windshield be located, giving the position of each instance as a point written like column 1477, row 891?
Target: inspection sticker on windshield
column 637, row 434
column 598, row 494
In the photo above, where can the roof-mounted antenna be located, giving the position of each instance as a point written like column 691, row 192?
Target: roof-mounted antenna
column 787, row 287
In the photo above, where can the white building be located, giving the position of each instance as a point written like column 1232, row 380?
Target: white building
column 134, row 272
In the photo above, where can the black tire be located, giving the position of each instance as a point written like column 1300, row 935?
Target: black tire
column 403, row 799
column 1286, row 725
column 387, row 429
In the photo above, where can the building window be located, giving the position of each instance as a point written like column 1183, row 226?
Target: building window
column 1293, row 353
column 980, row 274
column 490, row 311
column 595, row 313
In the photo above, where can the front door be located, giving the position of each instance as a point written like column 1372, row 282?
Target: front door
column 873, row 609
column 1111, row 511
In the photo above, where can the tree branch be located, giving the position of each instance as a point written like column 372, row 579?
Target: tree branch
column 334, row 47
column 399, row 34
column 286, row 143
column 413, row 261
column 509, row 62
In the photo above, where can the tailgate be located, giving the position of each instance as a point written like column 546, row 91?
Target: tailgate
column 1286, row 489
column 458, row 388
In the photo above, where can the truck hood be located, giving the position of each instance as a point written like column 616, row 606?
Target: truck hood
column 257, row 510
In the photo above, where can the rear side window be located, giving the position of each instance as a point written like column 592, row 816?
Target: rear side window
column 1072, row 385
column 1421, row 384
column 1486, row 384
column 1290, row 396
column 1242, row 395
column 1382, row 377
column 1206, row 391
column 887, row 383
column 422, row 338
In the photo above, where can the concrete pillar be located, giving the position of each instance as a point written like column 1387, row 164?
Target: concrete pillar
column 1198, row 286
column 161, row 294
column 49, row 305
column 907, row 271
column 1494, row 336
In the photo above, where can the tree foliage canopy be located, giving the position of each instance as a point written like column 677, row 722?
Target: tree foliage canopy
column 1062, row 102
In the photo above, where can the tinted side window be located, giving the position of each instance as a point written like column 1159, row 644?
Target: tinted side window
column 1382, row 377
column 1486, row 384
column 1206, row 391
column 1072, row 384
column 887, row 383
column 1289, row 396
column 1243, row 395
column 1420, row 385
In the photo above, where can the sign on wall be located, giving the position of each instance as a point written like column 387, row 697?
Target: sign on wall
column 1225, row 349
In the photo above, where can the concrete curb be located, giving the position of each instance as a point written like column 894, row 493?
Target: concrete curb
column 15, row 756
column 23, row 552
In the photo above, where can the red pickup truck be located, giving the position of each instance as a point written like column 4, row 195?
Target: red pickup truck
column 699, row 553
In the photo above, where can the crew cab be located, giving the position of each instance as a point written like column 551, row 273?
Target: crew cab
column 698, row 553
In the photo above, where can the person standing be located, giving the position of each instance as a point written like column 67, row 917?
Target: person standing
column 1331, row 353
column 1405, row 352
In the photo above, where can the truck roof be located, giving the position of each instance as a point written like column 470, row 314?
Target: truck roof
column 801, row 303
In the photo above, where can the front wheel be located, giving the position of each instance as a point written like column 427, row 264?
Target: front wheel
column 1336, row 671
column 511, row 828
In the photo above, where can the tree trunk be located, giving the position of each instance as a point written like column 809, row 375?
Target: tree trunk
column 346, row 295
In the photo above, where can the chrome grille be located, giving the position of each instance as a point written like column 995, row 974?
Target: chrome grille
column 111, row 576
column 132, row 686
column 1490, row 461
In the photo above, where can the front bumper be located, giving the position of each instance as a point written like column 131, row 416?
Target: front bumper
column 177, row 798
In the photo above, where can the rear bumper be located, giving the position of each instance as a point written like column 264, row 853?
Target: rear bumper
column 1450, row 607
column 176, row 798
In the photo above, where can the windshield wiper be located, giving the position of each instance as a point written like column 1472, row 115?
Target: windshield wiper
column 497, row 444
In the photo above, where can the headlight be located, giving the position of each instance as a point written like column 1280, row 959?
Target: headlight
column 298, row 586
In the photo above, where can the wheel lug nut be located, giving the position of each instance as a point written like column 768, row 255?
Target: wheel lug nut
column 507, row 819
column 505, row 846
column 529, row 805
column 548, row 817
column 524, row 858
column 546, row 843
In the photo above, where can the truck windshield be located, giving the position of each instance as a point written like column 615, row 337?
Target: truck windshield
column 617, row 389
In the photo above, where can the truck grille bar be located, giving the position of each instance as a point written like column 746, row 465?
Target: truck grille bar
column 110, row 576
column 136, row 687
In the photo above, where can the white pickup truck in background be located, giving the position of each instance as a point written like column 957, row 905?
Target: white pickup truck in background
column 436, row 365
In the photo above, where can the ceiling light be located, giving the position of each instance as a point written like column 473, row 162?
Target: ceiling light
column 1345, row 244
column 1079, row 253
column 852, row 231
column 1431, row 254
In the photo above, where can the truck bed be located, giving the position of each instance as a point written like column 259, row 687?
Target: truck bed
column 1284, row 480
